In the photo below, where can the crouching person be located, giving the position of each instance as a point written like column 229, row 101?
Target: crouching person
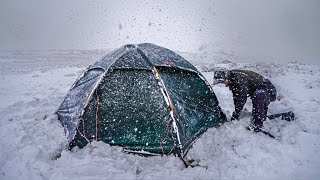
column 244, row 83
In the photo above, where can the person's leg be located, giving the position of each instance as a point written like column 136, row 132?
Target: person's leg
column 260, row 102
column 269, row 87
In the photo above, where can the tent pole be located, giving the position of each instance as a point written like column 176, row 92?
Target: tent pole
column 168, row 101
column 171, row 106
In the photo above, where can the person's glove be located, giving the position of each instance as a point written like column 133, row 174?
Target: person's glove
column 235, row 116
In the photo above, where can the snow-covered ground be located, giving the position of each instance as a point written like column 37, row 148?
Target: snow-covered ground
column 32, row 141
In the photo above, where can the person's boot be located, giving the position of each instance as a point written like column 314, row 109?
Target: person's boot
column 254, row 128
column 289, row 116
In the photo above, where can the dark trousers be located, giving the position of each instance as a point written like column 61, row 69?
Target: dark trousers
column 260, row 101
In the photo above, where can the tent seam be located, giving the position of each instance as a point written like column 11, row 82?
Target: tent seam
column 166, row 96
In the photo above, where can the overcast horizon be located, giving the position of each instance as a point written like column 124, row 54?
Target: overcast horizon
column 287, row 28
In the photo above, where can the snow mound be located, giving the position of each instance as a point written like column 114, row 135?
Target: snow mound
column 33, row 145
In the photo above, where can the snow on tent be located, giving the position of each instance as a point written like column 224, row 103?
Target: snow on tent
column 144, row 98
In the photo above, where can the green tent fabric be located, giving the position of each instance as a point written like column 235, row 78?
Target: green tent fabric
column 144, row 98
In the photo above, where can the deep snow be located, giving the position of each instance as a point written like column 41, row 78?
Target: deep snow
column 32, row 141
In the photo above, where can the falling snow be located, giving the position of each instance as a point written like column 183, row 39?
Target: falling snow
column 34, row 147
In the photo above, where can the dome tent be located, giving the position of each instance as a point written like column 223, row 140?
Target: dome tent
column 144, row 98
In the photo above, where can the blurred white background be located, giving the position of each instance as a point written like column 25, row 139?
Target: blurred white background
column 247, row 29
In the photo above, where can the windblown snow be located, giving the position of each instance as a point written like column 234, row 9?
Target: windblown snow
column 33, row 144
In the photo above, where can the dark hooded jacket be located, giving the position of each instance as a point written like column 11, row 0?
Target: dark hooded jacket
column 244, row 83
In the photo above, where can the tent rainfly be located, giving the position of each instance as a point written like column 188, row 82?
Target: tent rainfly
column 142, row 97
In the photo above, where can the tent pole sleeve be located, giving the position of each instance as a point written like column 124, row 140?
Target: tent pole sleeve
column 171, row 106
column 168, row 100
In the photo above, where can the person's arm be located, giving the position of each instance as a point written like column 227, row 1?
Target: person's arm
column 239, row 96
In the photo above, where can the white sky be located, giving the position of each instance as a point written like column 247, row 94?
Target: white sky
column 287, row 28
